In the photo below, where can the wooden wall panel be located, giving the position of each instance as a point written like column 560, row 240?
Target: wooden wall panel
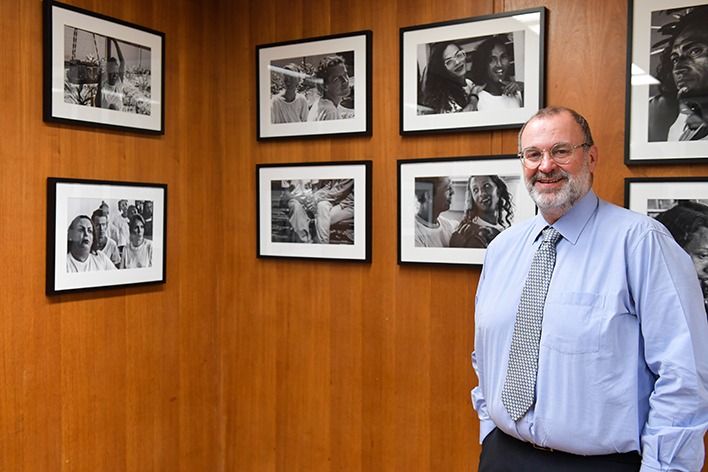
column 241, row 364
column 369, row 366
column 124, row 379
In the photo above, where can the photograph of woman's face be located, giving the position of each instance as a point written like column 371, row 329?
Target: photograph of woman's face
column 454, row 60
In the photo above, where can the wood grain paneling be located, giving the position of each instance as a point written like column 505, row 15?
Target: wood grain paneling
column 241, row 364
column 121, row 379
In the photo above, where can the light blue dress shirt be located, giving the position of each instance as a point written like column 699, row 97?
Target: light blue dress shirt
column 623, row 361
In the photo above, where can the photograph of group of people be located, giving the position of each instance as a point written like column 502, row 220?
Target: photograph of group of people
column 105, row 72
column 471, row 74
column 687, row 221
column 313, row 88
column 678, row 103
column 109, row 234
column 463, row 211
column 313, row 211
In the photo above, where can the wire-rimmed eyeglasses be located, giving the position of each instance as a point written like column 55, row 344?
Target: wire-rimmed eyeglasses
column 561, row 153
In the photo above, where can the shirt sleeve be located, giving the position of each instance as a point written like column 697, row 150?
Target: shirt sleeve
column 486, row 425
column 674, row 329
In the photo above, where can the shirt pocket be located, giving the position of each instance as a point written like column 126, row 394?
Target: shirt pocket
column 572, row 322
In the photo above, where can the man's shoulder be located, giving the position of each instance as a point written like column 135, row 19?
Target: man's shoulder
column 102, row 260
column 624, row 219
column 611, row 225
column 447, row 223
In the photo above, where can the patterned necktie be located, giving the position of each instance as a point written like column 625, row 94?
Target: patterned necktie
column 520, row 384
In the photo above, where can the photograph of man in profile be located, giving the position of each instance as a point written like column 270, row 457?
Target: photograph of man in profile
column 678, row 112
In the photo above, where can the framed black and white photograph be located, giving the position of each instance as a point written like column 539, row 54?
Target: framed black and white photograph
column 450, row 209
column 101, row 71
column 315, row 210
column 667, row 82
column 315, row 87
column 680, row 204
column 104, row 234
column 478, row 73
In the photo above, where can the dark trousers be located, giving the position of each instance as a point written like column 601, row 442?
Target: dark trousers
column 503, row 453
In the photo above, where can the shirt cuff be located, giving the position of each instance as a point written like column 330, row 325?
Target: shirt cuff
column 485, row 427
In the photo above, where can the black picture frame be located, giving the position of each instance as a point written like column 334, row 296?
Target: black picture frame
column 70, row 201
column 653, row 125
column 294, row 202
column 83, row 53
column 417, row 181
column 429, row 104
column 350, row 117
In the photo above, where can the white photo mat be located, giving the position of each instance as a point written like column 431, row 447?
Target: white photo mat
column 68, row 197
column 360, row 123
column 528, row 30
column 359, row 171
column 639, row 191
column 640, row 77
column 57, row 109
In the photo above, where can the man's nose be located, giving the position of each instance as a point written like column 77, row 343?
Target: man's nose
column 547, row 162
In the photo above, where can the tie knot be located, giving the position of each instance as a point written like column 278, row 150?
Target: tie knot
column 551, row 235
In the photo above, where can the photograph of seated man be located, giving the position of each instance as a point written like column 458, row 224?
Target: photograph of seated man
column 313, row 211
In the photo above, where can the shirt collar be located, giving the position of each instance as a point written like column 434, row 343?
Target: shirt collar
column 572, row 223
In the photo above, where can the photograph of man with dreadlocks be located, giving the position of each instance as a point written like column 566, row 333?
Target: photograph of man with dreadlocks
column 679, row 61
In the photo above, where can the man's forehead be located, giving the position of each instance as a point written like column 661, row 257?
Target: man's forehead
column 556, row 124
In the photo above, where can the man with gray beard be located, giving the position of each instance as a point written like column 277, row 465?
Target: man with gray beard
column 597, row 359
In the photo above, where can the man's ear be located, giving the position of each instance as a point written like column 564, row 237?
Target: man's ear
column 593, row 157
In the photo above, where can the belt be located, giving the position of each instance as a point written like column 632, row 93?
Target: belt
column 632, row 457
column 541, row 448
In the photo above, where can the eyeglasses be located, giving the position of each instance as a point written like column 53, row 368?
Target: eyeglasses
column 458, row 57
column 561, row 153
